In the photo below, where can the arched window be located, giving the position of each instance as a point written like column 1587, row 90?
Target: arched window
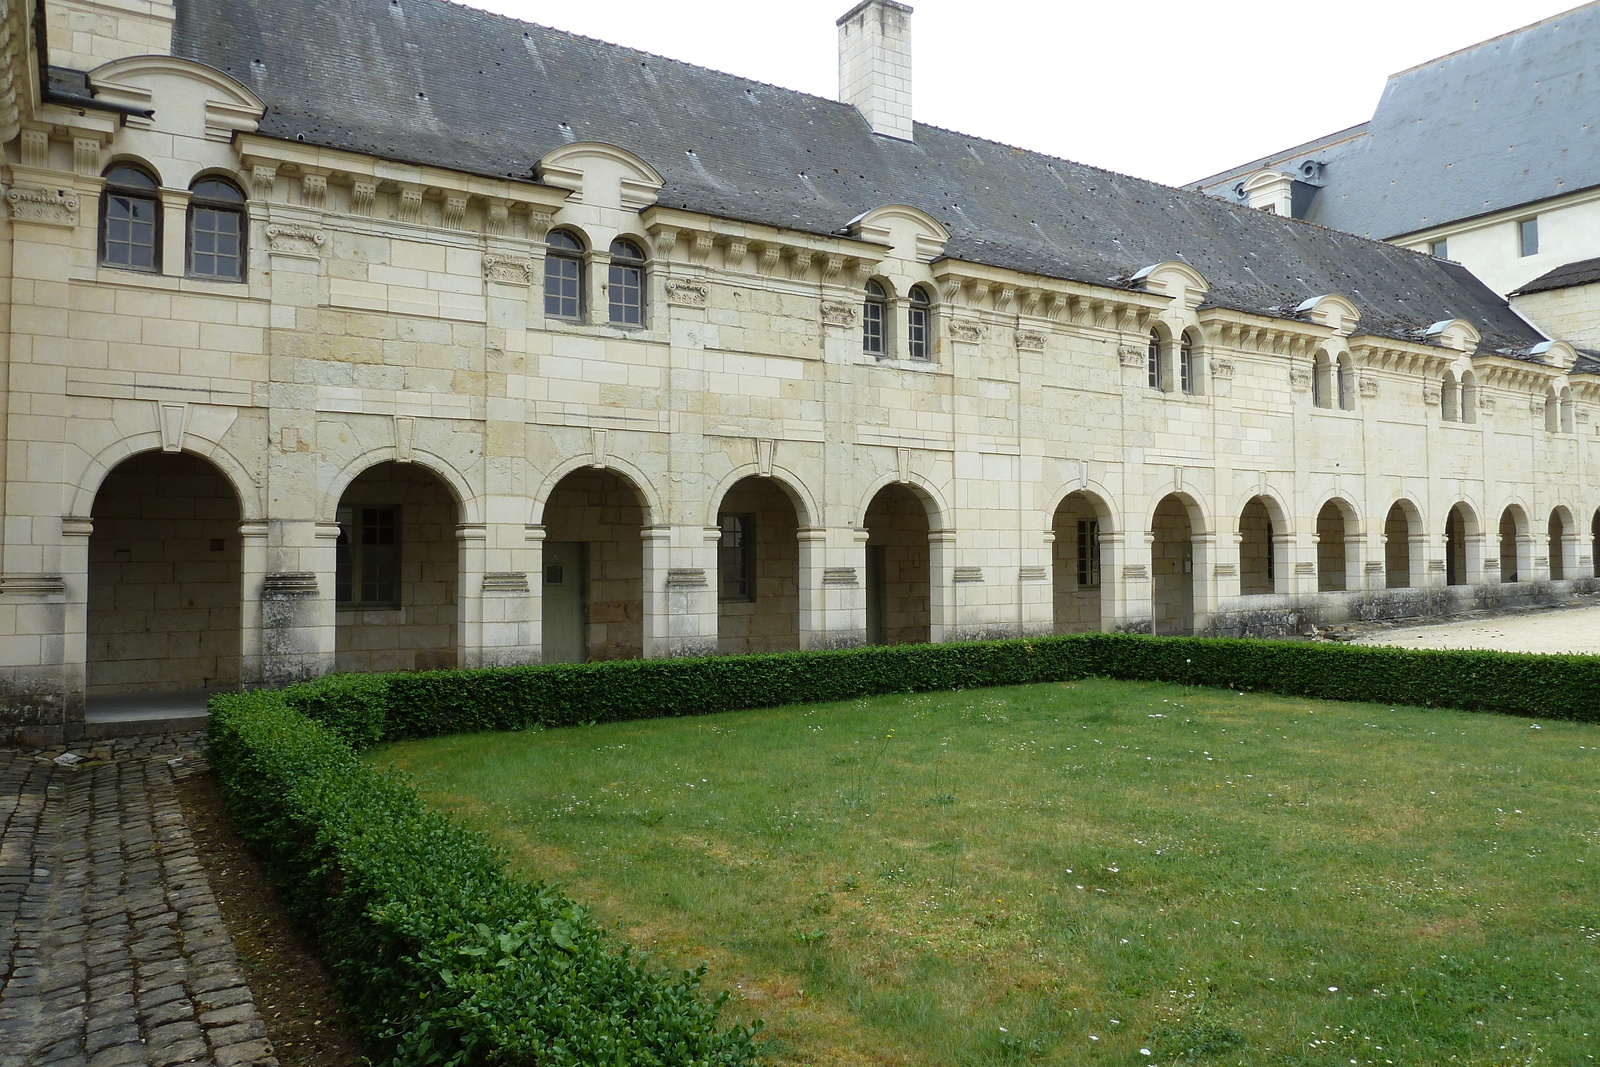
column 1449, row 399
column 874, row 321
column 563, row 276
column 216, row 230
column 1552, row 411
column 627, row 283
column 130, row 219
column 1344, row 384
column 1152, row 361
column 1186, row 362
column 918, row 325
column 1322, row 381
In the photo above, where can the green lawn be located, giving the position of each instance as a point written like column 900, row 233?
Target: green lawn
column 1090, row 872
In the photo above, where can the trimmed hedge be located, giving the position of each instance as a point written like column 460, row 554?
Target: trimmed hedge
column 366, row 709
column 440, row 956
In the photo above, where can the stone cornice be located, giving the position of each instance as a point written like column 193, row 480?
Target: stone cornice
column 976, row 287
column 1504, row 372
column 685, row 238
column 1401, row 357
column 1243, row 332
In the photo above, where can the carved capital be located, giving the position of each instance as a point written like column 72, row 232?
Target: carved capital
column 1368, row 387
column 1222, row 369
column 455, row 212
column 1030, row 340
column 362, row 196
column 52, row 207
column 512, row 270
column 290, row 240
column 835, row 313
column 966, row 330
column 687, row 294
column 314, row 190
column 1299, row 379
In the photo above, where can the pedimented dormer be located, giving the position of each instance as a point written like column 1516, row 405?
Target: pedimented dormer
column 1556, row 354
column 186, row 97
column 1336, row 312
column 1174, row 280
column 910, row 233
column 601, row 176
column 1458, row 334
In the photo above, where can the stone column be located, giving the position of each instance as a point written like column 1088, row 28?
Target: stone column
column 657, row 562
column 812, row 610
column 253, row 574
column 1422, row 555
column 1203, row 554
column 941, row 585
column 534, row 536
column 471, row 542
column 1225, row 573
column 1036, row 590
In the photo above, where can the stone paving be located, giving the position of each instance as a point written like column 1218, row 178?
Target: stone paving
column 114, row 952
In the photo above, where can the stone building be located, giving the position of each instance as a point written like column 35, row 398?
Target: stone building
column 372, row 334
column 1488, row 156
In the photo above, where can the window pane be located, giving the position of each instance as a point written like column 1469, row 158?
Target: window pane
column 130, row 232
column 1529, row 232
column 627, row 294
column 563, row 286
column 214, row 243
column 917, row 332
column 872, row 327
column 736, row 557
column 1153, row 361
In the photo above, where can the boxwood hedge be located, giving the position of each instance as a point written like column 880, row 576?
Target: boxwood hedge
column 444, row 958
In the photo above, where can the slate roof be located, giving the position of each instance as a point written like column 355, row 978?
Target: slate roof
column 430, row 82
column 1508, row 121
column 1583, row 272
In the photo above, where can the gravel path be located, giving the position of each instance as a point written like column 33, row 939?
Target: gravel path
column 1557, row 630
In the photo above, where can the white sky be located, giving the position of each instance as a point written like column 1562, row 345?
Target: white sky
column 1172, row 90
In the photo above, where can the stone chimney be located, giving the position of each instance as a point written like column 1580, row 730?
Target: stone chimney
column 875, row 65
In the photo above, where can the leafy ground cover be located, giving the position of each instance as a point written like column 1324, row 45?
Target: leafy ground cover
column 1091, row 872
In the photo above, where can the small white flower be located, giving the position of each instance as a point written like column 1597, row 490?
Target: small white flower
column 1144, row 1052
column 1333, row 989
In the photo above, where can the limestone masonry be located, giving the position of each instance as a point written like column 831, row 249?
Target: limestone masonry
column 377, row 334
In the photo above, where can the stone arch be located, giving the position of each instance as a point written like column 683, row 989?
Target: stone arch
column 1080, row 525
column 1463, row 544
column 1338, row 545
column 1177, row 523
column 1562, row 544
column 469, row 504
column 595, row 587
column 1450, row 397
column 1404, row 542
column 1263, row 538
column 163, row 580
column 905, row 594
column 1469, row 396
column 806, row 511
column 94, row 470
column 1322, row 380
column 761, row 561
column 1104, row 500
column 649, row 498
column 1594, row 543
column 932, row 500
column 1515, row 543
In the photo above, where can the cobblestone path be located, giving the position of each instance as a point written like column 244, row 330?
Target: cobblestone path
column 114, row 953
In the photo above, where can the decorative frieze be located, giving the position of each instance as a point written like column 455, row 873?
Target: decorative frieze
column 835, row 313
column 303, row 242
column 1030, row 341
column 967, row 574
column 687, row 294
column 52, row 207
column 512, row 270
column 966, row 330
column 839, row 576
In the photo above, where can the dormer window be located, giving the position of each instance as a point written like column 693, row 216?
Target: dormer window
column 130, row 219
column 874, row 321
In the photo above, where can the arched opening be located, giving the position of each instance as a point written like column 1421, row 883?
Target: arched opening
column 1594, row 544
column 164, row 579
column 1155, row 362
column 592, row 593
column 1552, row 410
column 1558, row 529
column 758, row 569
column 1080, row 521
column 1344, row 382
column 1568, row 425
column 1459, row 526
column 1260, row 541
column 1469, row 397
column 395, row 584
column 899, row 584
column 1334, row 526
column 1514, row 545
column 1450, row 398
column 1172, row 567
column 1322, row 381
column 1397, row 548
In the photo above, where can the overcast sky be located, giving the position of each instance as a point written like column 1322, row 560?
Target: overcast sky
column 1167, row 90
